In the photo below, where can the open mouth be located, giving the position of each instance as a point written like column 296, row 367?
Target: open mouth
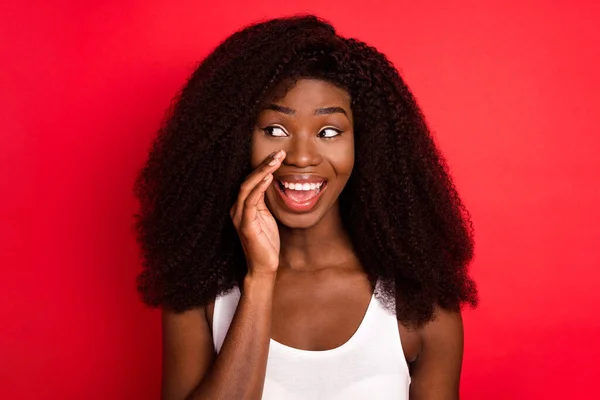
column 300, row 196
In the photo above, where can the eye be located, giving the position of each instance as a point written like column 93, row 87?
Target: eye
column 276, row 131
column 328, row 133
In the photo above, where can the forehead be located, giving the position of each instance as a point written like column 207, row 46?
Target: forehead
column 310, row 94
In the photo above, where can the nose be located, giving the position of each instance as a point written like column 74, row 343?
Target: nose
column 303, row 151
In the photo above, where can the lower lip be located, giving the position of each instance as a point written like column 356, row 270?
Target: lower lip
column 299, row 207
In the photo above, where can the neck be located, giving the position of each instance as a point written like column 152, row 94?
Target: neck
column 324, row 245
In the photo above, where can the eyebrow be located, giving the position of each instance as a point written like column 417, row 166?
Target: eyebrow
column 318, row 111
column 330, row 110
column 281, row 109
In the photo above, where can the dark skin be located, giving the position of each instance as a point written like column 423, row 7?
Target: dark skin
column 305, row 286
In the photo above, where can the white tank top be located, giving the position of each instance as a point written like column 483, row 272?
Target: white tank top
column 370, row 365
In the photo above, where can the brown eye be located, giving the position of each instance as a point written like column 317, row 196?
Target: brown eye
column 328, row 133
column 276, row 131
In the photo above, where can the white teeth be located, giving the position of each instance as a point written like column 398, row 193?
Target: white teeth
column 302, row 186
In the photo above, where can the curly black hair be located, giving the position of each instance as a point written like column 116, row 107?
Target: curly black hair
column 406, row 221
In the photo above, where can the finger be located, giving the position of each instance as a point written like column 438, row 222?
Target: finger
column 269, row 165
column 255, row 197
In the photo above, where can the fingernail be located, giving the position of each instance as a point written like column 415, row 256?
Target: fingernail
column 276, row 156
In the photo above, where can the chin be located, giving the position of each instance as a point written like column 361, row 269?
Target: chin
column 297, row 221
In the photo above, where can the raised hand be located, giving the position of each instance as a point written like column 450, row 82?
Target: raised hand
column 254, row 222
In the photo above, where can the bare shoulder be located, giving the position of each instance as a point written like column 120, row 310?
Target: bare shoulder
column 189, row 318
column 436, row 371
column 446, row 327
column 188, row 351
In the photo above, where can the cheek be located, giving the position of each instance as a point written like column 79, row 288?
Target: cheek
column 260, row 149
column 343, row 159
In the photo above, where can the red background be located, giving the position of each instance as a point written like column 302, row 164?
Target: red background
column 509, row 88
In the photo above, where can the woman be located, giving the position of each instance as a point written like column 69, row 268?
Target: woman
column 300, row 229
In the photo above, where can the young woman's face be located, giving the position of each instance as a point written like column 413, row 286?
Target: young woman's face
column 313, row 124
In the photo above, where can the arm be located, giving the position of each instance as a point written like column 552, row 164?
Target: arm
column 436, row 371
column 191, row 371
column 190, row 368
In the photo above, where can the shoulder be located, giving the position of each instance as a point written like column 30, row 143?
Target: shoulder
column 193, row 323
column 187, row 351
column 446, row 327
column 436, row 370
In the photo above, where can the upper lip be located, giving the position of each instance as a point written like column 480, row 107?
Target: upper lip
column 301, row 178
